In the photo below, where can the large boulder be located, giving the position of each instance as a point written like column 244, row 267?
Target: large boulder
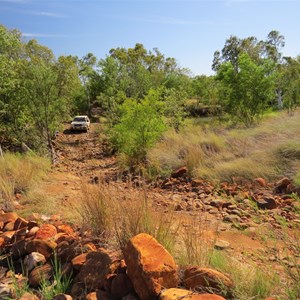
column 150, row 267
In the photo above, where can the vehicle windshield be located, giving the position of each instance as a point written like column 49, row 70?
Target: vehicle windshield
column 79, row 119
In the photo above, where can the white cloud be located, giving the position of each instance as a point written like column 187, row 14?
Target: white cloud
column 48, row 14
column 44, row 35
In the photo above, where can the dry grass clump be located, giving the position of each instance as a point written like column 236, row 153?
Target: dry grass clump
column 18, row 174
column 250, row 282
column 197, row 249
column 190, row 147
column 197, row 243
column 268, row 150
column 120, row 214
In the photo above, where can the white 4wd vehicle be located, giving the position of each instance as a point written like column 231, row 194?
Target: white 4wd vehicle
column 80, row 123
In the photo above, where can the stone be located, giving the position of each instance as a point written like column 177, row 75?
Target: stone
column 266, row 202
column 78, row 261
column 20, row 223
column 20, row 234
column 32, row 224
column 62, row 297
column 9, row 226
column 280, row 185
column 44, row 247
column 65, row 229
column 92, row 274
column 5, row 291
column 91, row 296
column 66, row 252
column 46, row 231
column 150, row 267
column 121, row 286
column 8, row 217
column 259, row 182
column 33, row 260
column 32, row 231
column 18, row 249
column 38, row 274
column 175, row 294
column 232, row 219
column 200, row 278
column 221, row 245
column 29, row 296
column 179, row 172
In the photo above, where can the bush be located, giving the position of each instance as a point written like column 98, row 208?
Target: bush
column 140, row 126
column 18, row 174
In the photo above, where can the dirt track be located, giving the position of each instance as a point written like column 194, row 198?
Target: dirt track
column 82, row 159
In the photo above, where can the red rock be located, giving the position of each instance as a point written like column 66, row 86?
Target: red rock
column 66, row 229
column 18, row 249
column 46, row 231
column 150, row 267
column 29, row 296
column 92, row 273
column 199, row 278
column 281, row 185
column 38, row 274
column 121, row 286
column 32, row 224
column 2, row 242
column 175, row 294
column 20, row 234
column 291, row 188
column 62, row 297
column 260, row 182
column 91, row 296
column 32, row 231
column 20, row 223
column 179, row 172
column 78, row 261
column 7, row 236
column 44, row 247
column 8, row 217
column 266, row 202
column 33, row 260
column 9, row 226
column 197, row 183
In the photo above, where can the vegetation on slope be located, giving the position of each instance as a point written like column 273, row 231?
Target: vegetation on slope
column 218, row 153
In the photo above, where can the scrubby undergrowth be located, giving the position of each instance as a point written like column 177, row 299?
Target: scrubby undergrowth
column 216, row 153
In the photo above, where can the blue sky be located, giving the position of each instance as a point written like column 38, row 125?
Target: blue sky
column 189, row 31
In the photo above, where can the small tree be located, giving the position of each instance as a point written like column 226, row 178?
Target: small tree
column 140, row 126
column 248, row 90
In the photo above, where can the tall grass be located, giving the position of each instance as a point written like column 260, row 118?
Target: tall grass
column 224, row 154
column 18, row 174
column 111, row 212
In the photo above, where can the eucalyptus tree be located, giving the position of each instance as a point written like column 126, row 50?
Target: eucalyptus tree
column 290, row 78
column 247, row 93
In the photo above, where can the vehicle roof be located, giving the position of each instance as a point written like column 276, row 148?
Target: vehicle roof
column 80, row 116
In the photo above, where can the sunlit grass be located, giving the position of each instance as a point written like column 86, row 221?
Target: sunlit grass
column 215, row 153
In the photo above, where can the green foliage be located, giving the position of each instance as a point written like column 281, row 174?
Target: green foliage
column 247, row 92
column 59, row 284
column 297, row 179
column 290, row 81
column 36, row 91
column 140, row 126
